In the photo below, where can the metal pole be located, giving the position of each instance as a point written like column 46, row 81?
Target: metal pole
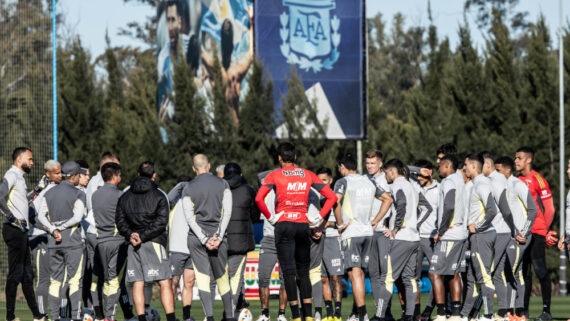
column 359, row 155
column 563, row 291
column 54, row 77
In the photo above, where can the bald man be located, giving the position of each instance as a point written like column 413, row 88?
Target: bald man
column 207, row 206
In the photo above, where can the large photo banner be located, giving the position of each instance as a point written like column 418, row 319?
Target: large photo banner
column 196, row 30
column 325, row 41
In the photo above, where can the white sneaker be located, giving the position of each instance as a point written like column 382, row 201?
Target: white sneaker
column 485, row 319
column 440, row 318
column 455, row 318
column 352, row 317
column 281, row 317
column 264, row 318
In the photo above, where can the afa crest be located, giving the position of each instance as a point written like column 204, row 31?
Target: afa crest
column 310, row 37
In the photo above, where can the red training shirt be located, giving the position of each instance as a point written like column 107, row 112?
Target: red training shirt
column 292, row 185
column 540, row 191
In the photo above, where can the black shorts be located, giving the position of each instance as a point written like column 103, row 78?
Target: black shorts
column 293, row 243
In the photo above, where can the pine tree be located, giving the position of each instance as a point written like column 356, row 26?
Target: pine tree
column 224, row 145
column 257, row 125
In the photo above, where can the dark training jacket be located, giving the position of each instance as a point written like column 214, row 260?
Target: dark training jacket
column 240, row 229
column 143, row 209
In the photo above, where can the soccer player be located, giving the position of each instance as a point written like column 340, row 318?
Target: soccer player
column 207, row 205
column 524, row 213
column 356, row 194
column 428, row 195
column 445, row 149
column 292, row 234
column 142, row 219
column 38, row 237
column 402, row 257
column 240, row 231
column 268, row 259
column 380, row 243
column 180, row 261
column 504, row 227
column 61, row 212
column 111, row 247
column 449, row 251
column 482, row 211
column 535, row 255
column 14, row 207
column 333, row 268
column 93, row 282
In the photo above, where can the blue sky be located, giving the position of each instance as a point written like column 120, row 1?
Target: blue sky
column 91, row 18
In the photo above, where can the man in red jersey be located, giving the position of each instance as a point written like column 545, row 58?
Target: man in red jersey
column 292, row 234
column 535, row 255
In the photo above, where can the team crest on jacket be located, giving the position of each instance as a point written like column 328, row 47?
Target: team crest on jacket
column 310, row 37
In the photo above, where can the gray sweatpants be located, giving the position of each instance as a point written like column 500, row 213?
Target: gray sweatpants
column 112, row 255
column 499, row 261
column 236, row 267
column 377, row 263
column 62, row 261
column 40, row 259
column 92, row 285
column 315, row 270
column 514, row 274
column 267, row 261
column 401, row 262
column 214, row 263
column 482, row 251
column 425, row 249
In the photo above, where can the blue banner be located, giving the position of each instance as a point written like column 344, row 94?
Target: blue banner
column 325, row 41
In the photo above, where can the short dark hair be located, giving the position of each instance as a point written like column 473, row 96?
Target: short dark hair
column 487, row 155
column 19, row 151
column 176, row 3
column 349, row 161
column 477, row 157
column 109, row 156
column 374, row 153
column 183, row 178
column 324, row 170
column 506, row 161
column 82, row 163
column 146, row 169
column 447, row 149
column 398, row 165
column 527, row 150
column 109, row 170
column 452, row 159
column 287, row 152
column 424, row 163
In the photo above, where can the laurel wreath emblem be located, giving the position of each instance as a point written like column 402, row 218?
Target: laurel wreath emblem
column 306, row 64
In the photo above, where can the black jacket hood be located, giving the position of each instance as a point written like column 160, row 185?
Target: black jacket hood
column 235, row 181
column 142, row 185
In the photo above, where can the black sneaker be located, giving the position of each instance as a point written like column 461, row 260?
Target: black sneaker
column 545, row 316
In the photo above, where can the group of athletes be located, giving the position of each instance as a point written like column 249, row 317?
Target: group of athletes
column 481, row 229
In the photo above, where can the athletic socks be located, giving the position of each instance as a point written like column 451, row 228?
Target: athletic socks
column 186, row 312
column 170, row 317
column 265, row 312
column 210, row 318
column 502, row 312
column 281, row 312
column 519, row 312
column 98, row 312
column 307, row 310
column 319, row 310
column 361, row 312
column 417, row 310
column 440, row 309
column 338, row 309
column 456, row 308
column 142, row 317
column 428, row 310
column 329, row 308
column 295, row 313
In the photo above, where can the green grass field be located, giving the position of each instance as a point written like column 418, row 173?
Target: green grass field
column 560, row 308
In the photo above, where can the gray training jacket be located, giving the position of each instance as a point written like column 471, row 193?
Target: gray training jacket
column 62, row 209
column 207, row 204
column 104, row 206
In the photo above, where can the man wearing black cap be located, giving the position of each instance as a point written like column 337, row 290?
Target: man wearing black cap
column 14, row 207
column 61, row 212
column 240, row 229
